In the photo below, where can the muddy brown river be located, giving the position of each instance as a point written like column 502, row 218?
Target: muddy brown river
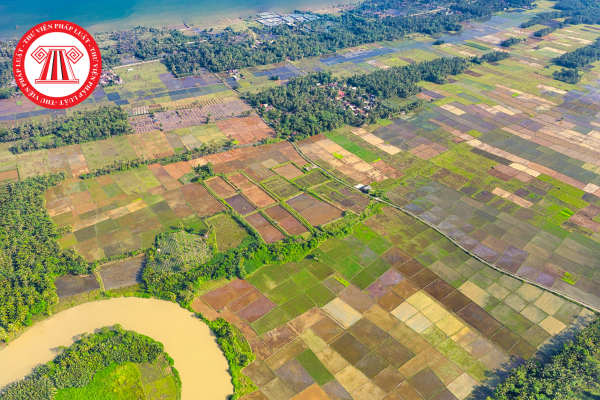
column 198, row 358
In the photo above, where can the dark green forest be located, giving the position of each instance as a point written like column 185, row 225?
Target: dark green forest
column 581, row 57
column 6, row 68
column 511, row 41
column 228, row 50
column 571, row 374
column 316, row 103
column 546, row 31
column 75, row 366
column 312, row 104
column 575, row 12
column 567, row 75
column 348, row 30
column 30, row 257
column 83, row 126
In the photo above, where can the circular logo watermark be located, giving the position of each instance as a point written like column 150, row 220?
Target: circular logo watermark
column 57, row 64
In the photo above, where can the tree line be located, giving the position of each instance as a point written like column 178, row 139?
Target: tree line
column 229, row 50
column 30, row 257
column 76, row 365
column 327, row 35
column 575, row 12
column 239, row 262
column 511, row 41
column 546, row 31
column 580, row 57
column 574, row 60
column 573, row 373
column 319, row 102
column 84, row 126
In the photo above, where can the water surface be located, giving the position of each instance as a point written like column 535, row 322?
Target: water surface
column 198, row 358
column 109, row 15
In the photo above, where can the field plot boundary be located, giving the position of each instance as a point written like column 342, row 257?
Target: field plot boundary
column 534, row 283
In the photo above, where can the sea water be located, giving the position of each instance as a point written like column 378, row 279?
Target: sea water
column 17, row 16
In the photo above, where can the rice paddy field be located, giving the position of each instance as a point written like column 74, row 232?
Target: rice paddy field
column 485, row 255
column 125, row 211
column 496, row 233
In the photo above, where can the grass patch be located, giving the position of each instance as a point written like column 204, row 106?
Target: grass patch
column 348, row 268
column 115, row 382
column 229, row 232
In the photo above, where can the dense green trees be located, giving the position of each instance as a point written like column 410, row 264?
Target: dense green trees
column 574, row 371
column 311, row 104
column 401, row 81
column 580, row 57
column 83, row 126
column 542, row 17
column 204, row 172
column 567, row 75
column 75, row 366
column 579, row 11
column 316, row 103
column 493, row 56
column 511, row 41
column 6, row 67
column 30, row 257
column 327, row 35
column 546, row 31
column 574, row 11
column 238, row 352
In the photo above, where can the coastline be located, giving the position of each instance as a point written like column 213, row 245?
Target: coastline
column 154, row 13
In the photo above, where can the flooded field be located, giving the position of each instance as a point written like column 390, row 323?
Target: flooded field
column 200, row 362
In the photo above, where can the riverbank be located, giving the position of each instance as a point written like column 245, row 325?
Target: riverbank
column 200, row 361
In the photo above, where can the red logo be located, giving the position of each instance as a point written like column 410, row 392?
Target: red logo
column 57, row 64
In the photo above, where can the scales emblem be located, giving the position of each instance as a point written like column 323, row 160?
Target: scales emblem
column 57, row 63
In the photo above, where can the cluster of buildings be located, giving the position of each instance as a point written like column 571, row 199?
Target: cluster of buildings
column 272, row 19
column 109, row 78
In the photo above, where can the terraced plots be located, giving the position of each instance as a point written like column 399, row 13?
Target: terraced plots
column 340, row 161
column 311, row 179
column 344, row 196
column 75, row 160
column 262, row 75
